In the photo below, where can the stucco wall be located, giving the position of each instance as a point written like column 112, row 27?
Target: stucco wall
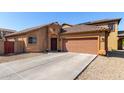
column 102, row 43
column 51, row 35
column 43, row 39
column 112, row 38
column 19, row 47
column 1, row 47
column 21, row 41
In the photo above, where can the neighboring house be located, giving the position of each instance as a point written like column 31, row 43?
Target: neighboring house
column 4, row 32
column 121, row 40
column 93, row 37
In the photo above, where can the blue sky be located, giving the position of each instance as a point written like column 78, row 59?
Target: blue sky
column 22, row 20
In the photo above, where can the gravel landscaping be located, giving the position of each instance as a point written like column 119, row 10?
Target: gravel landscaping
column 17, row 57
column 105, row 68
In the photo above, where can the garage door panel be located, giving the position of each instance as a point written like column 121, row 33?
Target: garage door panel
column 82, row 45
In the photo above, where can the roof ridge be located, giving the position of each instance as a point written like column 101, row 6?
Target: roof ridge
column 100, row 20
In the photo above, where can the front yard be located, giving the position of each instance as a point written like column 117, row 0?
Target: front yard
column 105, row 68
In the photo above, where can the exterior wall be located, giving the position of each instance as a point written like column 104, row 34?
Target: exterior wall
column 113, row 35
column 113, row 39
column 99, row 35
column 43, row 43
column 54, row 32
column 21, row 41
column 1, row 47
column 19, row 47
column 102, row 43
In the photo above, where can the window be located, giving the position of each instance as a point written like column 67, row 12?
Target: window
column 111, row 27
column 32, row 40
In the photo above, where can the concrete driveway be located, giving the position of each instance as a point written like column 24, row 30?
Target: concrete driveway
column 51, row 66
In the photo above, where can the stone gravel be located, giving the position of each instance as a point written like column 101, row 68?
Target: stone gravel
column 105, row 68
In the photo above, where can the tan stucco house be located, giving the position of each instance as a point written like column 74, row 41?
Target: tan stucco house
column 95, row 37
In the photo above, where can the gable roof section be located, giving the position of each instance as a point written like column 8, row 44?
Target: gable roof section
column 101, row 21
column 30, row 29
column 84, row 28
column 8, row 30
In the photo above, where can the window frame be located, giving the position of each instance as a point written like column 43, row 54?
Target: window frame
column 32, row 40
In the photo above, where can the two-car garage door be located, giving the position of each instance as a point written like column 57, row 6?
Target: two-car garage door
column 81, row 45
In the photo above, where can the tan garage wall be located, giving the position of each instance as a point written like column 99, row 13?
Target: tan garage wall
column 1, row 47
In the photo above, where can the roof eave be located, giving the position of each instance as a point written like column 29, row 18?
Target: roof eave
column 21, row 33
column 84, row 31
column 90, row 23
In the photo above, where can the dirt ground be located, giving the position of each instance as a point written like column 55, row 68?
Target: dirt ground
column 17, row 57
column 105, row 68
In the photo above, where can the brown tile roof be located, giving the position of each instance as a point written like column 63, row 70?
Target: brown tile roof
column 101, row 21
column 29, row 29
column 8, row 30
column 84, row 28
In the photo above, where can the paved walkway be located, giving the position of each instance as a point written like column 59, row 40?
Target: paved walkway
column 52, row 66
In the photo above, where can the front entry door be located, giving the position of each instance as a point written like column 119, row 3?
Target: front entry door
column 53, row 44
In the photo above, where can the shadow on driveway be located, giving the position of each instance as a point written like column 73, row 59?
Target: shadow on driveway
column 118, row 53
